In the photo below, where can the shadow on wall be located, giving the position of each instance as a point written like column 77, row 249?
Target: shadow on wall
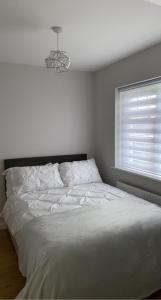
column 2, row 185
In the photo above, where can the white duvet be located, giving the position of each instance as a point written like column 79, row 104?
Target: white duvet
column 89, row 241
column 22, row 207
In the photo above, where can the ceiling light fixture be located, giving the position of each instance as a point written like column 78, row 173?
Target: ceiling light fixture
column 58, row 60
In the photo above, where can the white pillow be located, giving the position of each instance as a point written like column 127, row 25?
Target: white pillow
column 26, row 179
column 79, row 172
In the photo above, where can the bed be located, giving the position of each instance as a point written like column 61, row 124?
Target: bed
column 88, row 241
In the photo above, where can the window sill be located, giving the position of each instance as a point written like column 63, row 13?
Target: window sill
column 152, row 177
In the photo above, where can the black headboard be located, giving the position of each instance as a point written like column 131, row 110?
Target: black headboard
column 37, row 161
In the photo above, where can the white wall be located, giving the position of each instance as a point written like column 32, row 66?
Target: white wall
column 144, row 65
column 43, row 113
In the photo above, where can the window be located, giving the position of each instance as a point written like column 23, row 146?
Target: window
column 138, row 128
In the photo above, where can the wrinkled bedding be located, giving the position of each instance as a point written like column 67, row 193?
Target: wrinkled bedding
column 90, row 241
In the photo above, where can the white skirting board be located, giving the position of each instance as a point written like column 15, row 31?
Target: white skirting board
column 151, row 197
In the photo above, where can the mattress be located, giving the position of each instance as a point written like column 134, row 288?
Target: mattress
column 90, row 241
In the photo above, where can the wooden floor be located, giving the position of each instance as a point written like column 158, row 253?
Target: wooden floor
column 11, row 280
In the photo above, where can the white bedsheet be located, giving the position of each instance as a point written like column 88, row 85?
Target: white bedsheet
column 91, row 241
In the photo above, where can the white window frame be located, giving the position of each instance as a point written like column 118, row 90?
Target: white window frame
column 117, row 121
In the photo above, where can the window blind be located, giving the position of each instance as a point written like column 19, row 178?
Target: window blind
column 138, row 128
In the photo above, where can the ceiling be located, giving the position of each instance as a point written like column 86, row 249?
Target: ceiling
column 158, row 2
column 96, row 33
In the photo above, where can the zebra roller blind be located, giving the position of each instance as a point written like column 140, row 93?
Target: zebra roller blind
column 138, row 128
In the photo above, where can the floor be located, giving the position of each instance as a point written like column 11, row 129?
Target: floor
column 11, row 280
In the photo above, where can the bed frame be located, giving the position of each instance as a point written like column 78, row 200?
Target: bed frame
column 42, row 160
